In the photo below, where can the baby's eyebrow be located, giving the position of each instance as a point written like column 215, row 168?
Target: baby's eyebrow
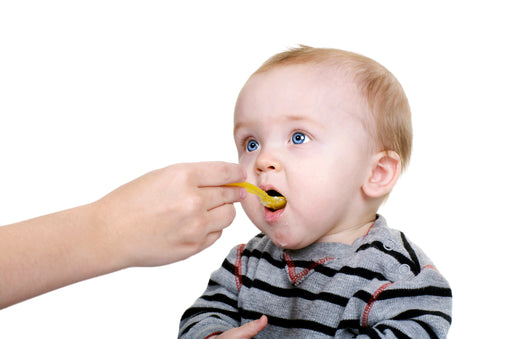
column 239, row 125
column 286, row 118
column 297, row 118
column 301, row 118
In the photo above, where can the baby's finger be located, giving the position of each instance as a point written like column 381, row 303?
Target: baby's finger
column 249, row 330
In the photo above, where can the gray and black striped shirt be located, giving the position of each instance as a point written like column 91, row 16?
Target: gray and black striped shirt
column 382, row 286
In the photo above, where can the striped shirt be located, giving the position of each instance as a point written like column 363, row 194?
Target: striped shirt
column 382, row 286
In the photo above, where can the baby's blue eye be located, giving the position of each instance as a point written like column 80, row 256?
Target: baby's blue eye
column 299, row 138
column 252, row 146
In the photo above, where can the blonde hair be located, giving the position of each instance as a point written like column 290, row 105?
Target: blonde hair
column 389, row 111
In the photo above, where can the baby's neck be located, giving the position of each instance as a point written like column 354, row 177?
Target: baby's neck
column 351, row 233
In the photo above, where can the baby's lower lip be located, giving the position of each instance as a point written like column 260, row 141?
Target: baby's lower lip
column 272, row 216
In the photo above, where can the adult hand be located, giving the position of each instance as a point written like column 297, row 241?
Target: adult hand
column 162, row 217
column 171, row 213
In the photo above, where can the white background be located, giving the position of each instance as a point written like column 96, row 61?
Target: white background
column 96, row 93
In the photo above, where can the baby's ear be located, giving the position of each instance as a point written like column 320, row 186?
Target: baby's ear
column 386, row 168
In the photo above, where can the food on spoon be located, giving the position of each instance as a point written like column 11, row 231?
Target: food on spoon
column 273, row 202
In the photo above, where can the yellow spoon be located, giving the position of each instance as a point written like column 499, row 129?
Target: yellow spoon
column 271, row 202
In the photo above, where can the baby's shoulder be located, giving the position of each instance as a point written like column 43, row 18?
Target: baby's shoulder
column 256, row 247
column 390, row 252
column 259, row 245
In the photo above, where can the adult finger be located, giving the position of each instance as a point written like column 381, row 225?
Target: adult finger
column 211, row 238
column 217, row 196
column 220, row 217
column 218, row 173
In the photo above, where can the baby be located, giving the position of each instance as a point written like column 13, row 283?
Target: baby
column 331, row 131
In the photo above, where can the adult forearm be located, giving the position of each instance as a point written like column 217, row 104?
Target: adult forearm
column 52, row 251
column 159, row 218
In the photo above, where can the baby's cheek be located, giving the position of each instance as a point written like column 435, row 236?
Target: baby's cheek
column 245, row 161
column 253, row 209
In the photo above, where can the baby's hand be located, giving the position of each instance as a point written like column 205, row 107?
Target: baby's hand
column 246, row 331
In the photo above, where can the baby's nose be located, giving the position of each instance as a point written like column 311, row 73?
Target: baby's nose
column 267, row 163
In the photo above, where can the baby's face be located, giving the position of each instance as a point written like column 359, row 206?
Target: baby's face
column 299, row 131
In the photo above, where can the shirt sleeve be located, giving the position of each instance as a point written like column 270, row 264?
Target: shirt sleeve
column 216, row 310
column 418, row 306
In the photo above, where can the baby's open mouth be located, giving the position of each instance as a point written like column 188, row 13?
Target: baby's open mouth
column 279, row 197
column 273, row 201
column 274, row 193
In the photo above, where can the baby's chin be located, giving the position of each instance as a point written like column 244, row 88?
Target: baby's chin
column 288, row 243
